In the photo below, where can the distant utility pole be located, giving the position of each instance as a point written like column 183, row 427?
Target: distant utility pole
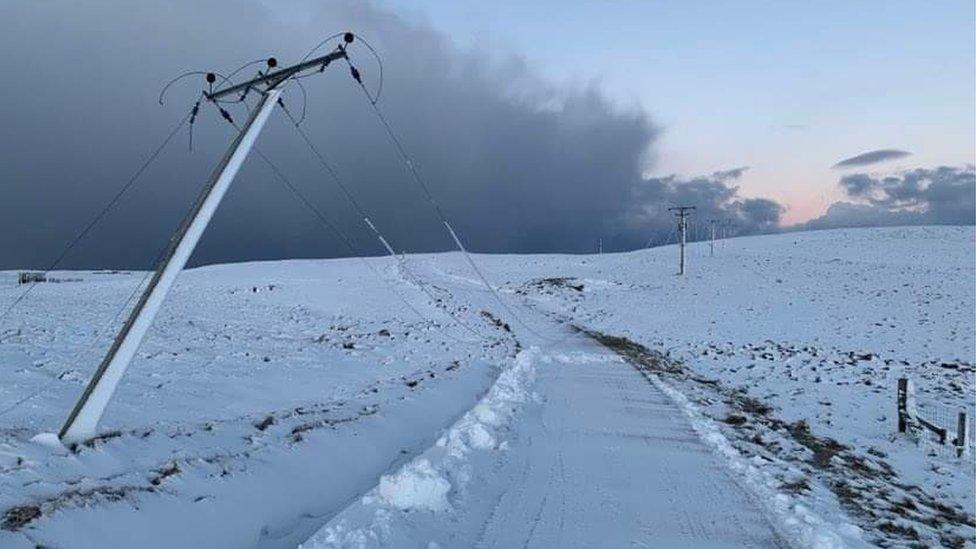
column 601, row 246
column 682, row 213
column 711, row 243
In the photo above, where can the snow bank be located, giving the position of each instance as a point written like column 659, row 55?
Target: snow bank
column 479, row 429
column 416, row 486
column 426, row 483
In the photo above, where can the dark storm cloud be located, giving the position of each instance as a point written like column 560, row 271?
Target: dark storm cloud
column 519, row 165
column 872, row 157
column 940, row 196
column 713, row 196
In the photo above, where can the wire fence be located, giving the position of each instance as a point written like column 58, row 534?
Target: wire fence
column 944, row 429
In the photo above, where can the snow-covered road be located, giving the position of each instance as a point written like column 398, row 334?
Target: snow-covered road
column 602, row 458
column 607, row 460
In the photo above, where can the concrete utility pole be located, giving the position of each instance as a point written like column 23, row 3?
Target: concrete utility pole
column 682, row 213
column 83, row 420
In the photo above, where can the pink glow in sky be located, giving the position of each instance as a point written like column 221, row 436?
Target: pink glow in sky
column 786, row 88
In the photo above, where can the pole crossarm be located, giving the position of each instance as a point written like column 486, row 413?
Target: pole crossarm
column 274, row 79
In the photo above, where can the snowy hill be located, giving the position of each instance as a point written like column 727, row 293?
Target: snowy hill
column 610, row 402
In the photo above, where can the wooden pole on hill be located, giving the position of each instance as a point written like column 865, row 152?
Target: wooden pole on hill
column 711, row 243
column 682, row 213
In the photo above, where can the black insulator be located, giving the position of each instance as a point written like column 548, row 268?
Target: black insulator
column 272, row 62
column 211, row 77
column 355, row 74
column 347, row 38
column 226, row 115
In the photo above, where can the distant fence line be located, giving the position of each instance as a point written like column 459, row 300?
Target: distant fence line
column 36, row 277
column 27, row 277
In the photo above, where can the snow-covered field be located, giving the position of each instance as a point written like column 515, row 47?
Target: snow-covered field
column 749, row 403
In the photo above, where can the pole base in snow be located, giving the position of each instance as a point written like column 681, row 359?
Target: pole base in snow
column 51, row 442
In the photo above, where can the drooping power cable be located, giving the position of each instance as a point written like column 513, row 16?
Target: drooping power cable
column 401, row 151
column 101, row 214
column 327, row 167
column 342, row 237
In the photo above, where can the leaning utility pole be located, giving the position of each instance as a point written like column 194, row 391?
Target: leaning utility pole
column 83, row 420
column 682, row 213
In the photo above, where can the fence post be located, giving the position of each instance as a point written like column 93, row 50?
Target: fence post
column 903, row 389
column 961, row 432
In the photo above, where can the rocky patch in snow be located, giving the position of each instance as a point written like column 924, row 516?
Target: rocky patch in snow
column 808, row 466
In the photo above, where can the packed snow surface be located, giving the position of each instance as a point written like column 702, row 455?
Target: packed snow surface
column 748, row 403
column 599, row 460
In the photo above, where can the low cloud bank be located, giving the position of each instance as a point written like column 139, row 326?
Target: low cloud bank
column 944, row 195
column 714, row 196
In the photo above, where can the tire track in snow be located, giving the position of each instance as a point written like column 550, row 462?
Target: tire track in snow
column 584, row 465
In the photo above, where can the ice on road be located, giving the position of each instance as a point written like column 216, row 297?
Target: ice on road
column 601, row 459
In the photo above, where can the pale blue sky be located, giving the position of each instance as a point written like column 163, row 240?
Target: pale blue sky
column 787, row 88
